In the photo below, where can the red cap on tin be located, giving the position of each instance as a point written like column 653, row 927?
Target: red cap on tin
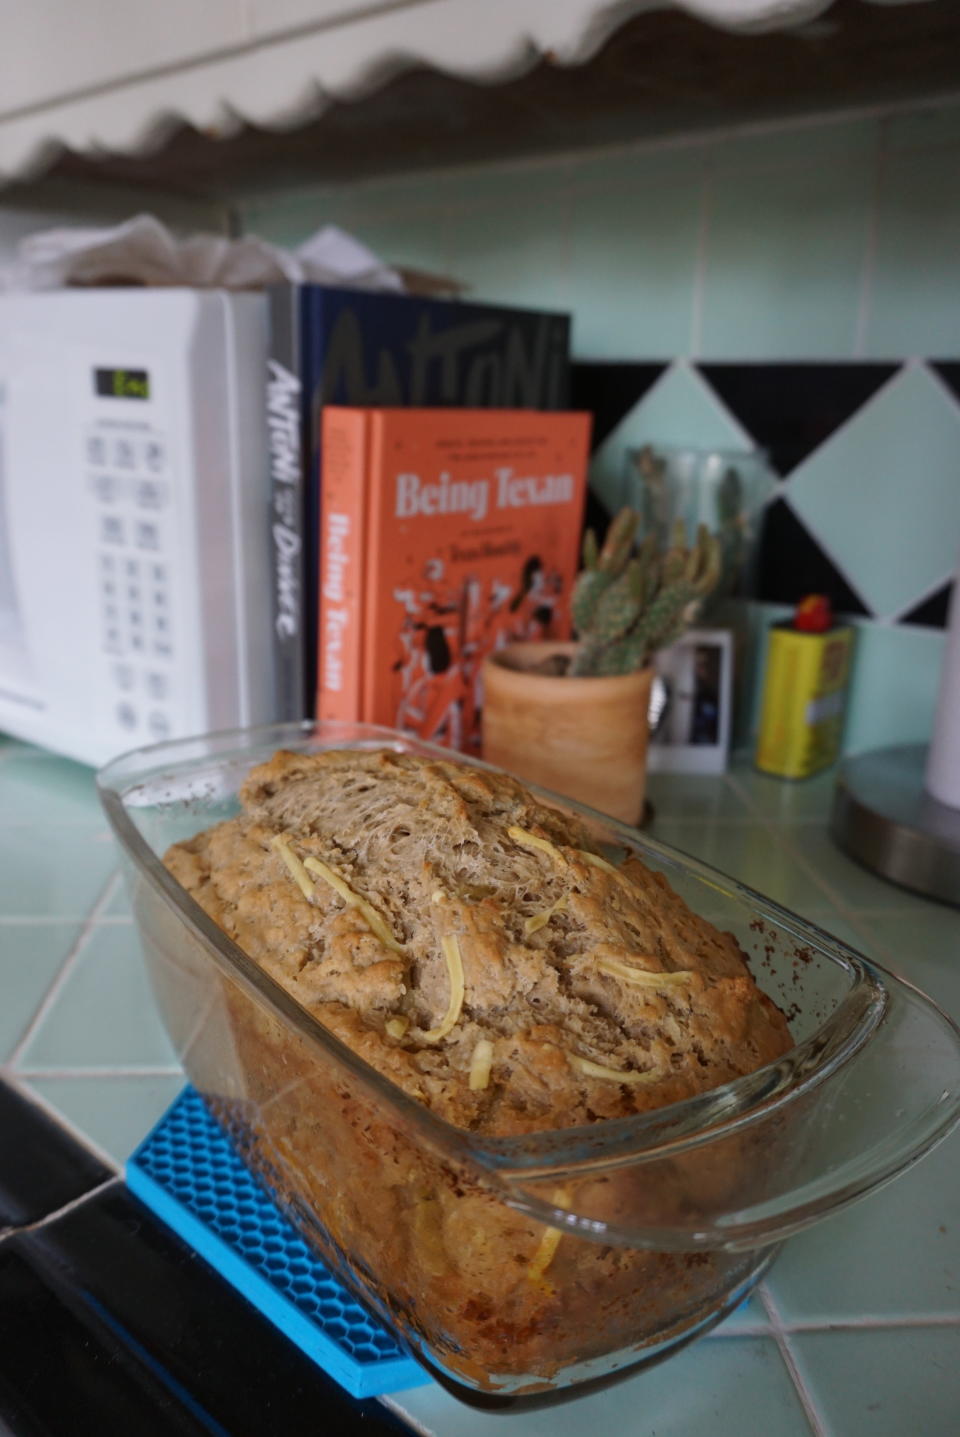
column 813, row 614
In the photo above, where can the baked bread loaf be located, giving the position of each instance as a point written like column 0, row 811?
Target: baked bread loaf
column 481, row 951
column 474, row 945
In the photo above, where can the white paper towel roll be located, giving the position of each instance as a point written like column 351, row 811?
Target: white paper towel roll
column 943, row 759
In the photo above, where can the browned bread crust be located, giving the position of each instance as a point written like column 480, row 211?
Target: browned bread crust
column 359, row 880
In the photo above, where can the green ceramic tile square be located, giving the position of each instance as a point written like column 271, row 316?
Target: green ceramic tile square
column 916, row 299
column 894, row 685
column 883, row 1384
column 911, row 426
column 679, row 409
column 53, row 871
column 750, row 854
column 31, row 955
column 417, row 238
column 892, row 1255
column 511, row 251
column 727, row 1387
column 398, row 233
column 854, row 885
column 114, row 1113
column 119, row 904
column 489, row 186
column 686, row 798
column 374, row 213
column 637, row 167
column 818, row 144
column 289, row 217
column 633, row 258
column 47, row 790
column 782, row 799
column 785, row 261
column 749, row 1317
column 921, row 945
column 932, row 127
column 104, row 1015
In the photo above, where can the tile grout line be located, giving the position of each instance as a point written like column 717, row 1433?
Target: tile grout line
column 870, row 1324
column 389, row 1400
column 156, row 1070
column 811, row 1411
column 65, row 1210
column 80, row 942
column 827, row 547
column 889, row 910
column 749, row 1329
column 72, row 826
column 781, row 832
column 937, row 377
column 871, row 245
column 83, row 1138
column 777, row 831
column 702, row 262
column 111, row 920
column 900, row 366
column 921, row 598
column 851, row 912
column 692, row 368
column 845, row 910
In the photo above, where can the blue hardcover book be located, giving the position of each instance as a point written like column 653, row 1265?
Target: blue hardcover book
column 339, row 346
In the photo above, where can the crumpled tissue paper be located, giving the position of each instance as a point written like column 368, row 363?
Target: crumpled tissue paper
column 143, row 251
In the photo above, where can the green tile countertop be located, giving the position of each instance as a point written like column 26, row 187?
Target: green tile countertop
column 857, row 1328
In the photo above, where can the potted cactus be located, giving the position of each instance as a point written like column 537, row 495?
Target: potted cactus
column 573, row 717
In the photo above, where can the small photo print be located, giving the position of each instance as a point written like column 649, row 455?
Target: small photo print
column 691, row 733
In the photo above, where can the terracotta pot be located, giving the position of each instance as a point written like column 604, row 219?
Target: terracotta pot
column 586, row 738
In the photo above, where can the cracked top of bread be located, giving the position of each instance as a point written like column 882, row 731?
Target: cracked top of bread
column 478, row 948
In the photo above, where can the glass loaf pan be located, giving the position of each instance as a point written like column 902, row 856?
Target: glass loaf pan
column 526, row 1268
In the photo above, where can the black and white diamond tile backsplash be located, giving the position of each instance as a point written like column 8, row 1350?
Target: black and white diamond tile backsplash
column 610, row 391
column 791, row 563
column 866, row 458
column 932, row 612
column 790, row 410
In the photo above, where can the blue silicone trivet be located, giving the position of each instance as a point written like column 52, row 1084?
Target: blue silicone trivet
column 188, row 1172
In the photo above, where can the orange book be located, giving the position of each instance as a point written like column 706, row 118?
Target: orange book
column 445, row 533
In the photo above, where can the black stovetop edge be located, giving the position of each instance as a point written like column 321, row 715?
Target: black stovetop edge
column 120, row 1326
column 42, row 1168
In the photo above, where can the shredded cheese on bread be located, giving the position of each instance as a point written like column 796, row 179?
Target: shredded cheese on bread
column 611, row 1075
column 531, row 840
column 375, row 921
column 481, row 1064
column 296, row 868
column 644, row 977
column 451, row 952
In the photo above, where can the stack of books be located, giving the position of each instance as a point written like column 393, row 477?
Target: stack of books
column 427, row 491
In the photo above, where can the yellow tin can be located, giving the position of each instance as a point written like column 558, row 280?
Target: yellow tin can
column 804, row 698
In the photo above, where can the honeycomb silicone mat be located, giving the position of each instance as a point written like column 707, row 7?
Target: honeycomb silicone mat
column 188, row 1172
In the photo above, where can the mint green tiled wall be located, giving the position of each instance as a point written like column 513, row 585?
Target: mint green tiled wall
column 818, row 239
column 826, row 238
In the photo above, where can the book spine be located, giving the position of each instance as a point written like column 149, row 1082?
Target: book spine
column 375, row 652
column 342, row 557
column 287, row 460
